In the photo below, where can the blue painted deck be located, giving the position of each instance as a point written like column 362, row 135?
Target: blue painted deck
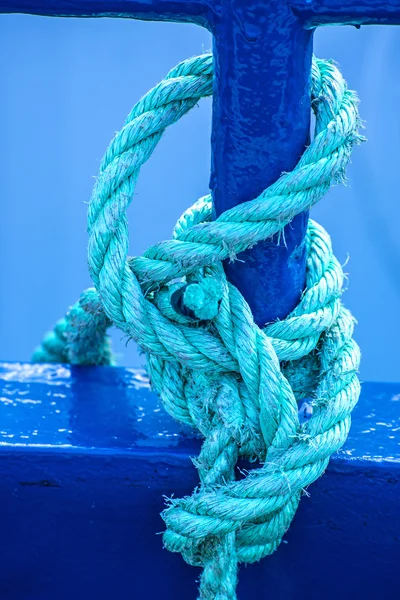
column 87, row 454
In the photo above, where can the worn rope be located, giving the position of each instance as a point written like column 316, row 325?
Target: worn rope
column 238, row 384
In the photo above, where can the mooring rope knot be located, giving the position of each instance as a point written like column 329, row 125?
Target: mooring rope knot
column 238, row 384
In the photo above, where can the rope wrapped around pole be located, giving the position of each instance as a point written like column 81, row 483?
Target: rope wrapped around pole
column 238, row 384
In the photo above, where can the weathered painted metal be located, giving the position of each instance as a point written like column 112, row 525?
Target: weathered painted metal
column 87, row 455
column 261, row 108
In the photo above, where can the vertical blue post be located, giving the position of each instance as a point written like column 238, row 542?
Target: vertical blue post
column 261, row 121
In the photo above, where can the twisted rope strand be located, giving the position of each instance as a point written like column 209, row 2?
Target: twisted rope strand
column 239, row 385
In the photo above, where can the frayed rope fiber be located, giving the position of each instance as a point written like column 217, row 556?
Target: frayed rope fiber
column 214, row 368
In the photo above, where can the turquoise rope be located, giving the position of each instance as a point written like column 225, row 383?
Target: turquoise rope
column 80, row 338
column 214, row 368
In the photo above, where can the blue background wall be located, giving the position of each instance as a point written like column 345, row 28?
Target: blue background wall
column 67, row 86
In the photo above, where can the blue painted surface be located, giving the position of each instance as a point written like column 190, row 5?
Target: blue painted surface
column 87, row 454
column 254, row 41
column 352, row 12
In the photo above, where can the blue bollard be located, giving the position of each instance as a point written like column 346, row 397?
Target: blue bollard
column 261, row 109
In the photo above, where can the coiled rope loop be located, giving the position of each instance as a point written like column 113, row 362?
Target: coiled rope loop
column 213, row 367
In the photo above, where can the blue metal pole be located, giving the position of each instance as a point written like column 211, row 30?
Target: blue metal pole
column 261, row 122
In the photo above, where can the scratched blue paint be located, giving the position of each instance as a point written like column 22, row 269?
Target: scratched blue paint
column 86, row 455
column 262, row 52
